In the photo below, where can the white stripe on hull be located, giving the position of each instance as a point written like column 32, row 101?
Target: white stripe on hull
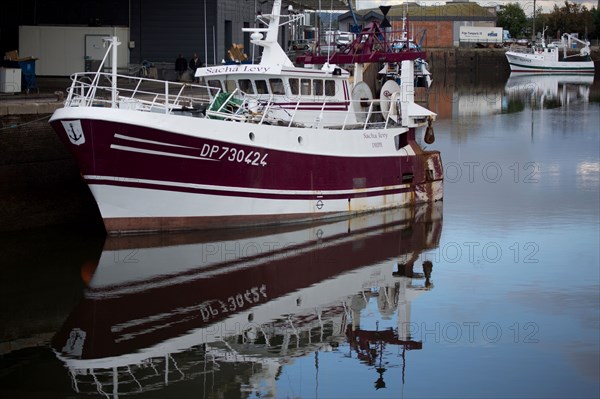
column 242, row 190
column 132, row 202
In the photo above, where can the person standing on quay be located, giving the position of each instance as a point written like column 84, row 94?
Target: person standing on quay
column 195, row 63
column 180, row 66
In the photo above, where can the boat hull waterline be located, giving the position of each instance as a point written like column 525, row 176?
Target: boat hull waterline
column 529, row 63
column 157, row 172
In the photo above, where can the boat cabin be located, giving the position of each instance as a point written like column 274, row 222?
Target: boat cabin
column 308, row 86
column 290, row 92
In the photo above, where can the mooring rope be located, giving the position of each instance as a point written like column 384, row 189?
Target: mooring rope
column 15, row 125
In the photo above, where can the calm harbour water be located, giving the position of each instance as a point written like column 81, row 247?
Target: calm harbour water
column 493, row 293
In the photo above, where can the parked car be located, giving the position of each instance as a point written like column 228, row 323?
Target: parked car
column 299, row 45
column 344, row 39
column 523, row 42
column 400, row 45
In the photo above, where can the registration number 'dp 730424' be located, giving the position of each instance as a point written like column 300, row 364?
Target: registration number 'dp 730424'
column 233, row 154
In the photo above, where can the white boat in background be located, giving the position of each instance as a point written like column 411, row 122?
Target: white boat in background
column 160, row 310
column 275, row 144
column 543, row 58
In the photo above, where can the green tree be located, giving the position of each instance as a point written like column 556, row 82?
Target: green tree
column 571, row 18
column 512, row 18
column 596, row 20
column 541, row 20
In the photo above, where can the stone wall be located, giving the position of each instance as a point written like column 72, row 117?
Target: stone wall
column 465, row 60
column 40, row 183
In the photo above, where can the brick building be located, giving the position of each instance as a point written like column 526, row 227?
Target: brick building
column 440, row 23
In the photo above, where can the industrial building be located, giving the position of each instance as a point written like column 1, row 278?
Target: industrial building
column 66, row 35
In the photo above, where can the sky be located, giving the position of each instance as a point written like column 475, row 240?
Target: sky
column 527, row 5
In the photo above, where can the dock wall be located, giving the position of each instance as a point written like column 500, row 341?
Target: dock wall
column 489, row 61
column 40, row 183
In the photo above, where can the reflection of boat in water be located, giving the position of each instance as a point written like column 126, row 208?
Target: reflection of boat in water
column 549, row 88
column 162, row 309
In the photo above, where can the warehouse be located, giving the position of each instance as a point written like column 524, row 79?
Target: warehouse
column 66, row 31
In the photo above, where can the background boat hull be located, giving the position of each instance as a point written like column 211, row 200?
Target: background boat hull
column 521, row 63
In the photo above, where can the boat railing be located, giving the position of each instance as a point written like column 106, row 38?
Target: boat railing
column 97, row 89
column 327, row 113
column 522, row 50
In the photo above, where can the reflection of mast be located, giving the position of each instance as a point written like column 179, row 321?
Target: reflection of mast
column 370, row 344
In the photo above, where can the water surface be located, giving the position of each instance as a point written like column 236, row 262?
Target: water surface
column 492, row 293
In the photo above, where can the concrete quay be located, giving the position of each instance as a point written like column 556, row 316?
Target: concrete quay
column 45, row 100
column 40, row 183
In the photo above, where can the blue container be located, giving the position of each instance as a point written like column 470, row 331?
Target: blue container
column 28, row 74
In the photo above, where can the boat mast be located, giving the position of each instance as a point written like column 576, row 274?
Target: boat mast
column 113, row 42
column 273, row 54
column 533, row 30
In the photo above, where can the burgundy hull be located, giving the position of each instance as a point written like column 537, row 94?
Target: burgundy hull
column 119, row 155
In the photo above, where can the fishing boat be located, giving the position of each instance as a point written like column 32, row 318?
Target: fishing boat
column 548, row 58
column 160, row 310
column 251, row 144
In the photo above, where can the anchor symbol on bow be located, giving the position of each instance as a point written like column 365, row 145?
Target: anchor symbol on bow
column 75, row 137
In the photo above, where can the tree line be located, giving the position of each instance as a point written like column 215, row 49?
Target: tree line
column 568, row 18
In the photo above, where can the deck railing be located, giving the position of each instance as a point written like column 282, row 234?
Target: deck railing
column 95, row 89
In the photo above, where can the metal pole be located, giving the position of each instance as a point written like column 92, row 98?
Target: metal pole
column 533, row 33
column 205, row 36
column 114, row 72
column 253, row 45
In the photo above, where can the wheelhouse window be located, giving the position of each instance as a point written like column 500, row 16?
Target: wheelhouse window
column 294, row 86
column 215, row 83
column 245, row 85
column 230, row 85
column 330, row 88
column 318, row 87
column 261, row 87
column 277, row 86
column 215, row 86
column 305, row 87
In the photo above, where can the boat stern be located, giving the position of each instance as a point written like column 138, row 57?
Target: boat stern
column 432, row 188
